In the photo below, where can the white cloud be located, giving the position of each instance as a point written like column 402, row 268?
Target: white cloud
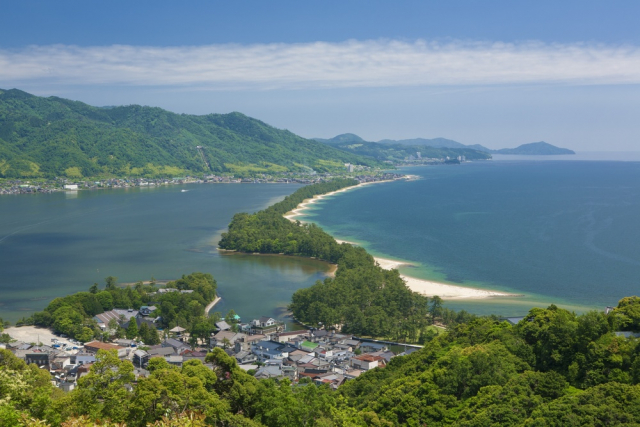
column 379, row 63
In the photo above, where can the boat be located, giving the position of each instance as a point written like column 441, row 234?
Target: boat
column 183, row 191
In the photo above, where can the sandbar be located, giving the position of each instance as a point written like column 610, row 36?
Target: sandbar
column 427, row 288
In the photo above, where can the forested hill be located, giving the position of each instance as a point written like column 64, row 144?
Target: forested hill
column 48, row 137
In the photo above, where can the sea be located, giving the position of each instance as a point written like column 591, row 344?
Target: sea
column 550, row 229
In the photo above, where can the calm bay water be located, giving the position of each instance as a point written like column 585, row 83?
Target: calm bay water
column 55, row 244
column 564, row 232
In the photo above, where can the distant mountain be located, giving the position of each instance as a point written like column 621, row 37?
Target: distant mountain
column 397, row 152
column 342, row 138
column 47, row 137
column 535, row 148
column 435, row 142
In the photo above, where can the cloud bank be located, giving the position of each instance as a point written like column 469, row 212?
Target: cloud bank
column 377, row 63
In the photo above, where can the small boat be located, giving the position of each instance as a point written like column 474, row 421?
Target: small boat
column 184, row 191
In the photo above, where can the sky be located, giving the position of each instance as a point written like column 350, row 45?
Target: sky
column 496, row 73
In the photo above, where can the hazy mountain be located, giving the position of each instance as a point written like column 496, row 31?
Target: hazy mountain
column 535, row 148
column 46, row 137
column 435, row 142
column 397, row 152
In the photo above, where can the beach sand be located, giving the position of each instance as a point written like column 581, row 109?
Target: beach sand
column 424, row 287
column 299, row 210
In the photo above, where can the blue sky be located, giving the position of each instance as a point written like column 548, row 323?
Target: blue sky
column 497, row 73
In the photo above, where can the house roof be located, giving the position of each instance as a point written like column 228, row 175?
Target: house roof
column 369, row 358
column 251, row 338
column 102, row 346
column 177, row 329
column 174, row 343
column 115, row 314
column 265, row 319
column 270, row 345
column 165, row 351
column 222, row 325
column 293, row 333
column 231, row 336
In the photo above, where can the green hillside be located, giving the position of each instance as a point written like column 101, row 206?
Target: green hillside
column 48, row 137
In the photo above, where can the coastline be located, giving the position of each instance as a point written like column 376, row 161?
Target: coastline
column 427, row 288
column 208, row 308
column 299, row 210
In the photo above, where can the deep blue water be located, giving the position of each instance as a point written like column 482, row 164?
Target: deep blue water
column 564, row 232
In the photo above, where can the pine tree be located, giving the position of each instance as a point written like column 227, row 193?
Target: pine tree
column 132, row 329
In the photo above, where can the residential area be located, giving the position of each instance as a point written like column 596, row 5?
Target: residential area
column 261, row 347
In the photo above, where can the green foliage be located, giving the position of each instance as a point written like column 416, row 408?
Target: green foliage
column 73, row 315
column 362, row 298
column 481, row 372
column 48, row 137
column 132, row 330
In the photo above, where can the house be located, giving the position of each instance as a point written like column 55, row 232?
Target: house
column 175, row 360
column 119, row 315
column 266, row 326
column 161, row 351
column 245, row 357
column 94, row 346
column 269, row 371
column 83, row 358
column 288, row 336
column 146, row 310
column 266, row 350
column 178, row 346
column 308, row 346
column 370, row 347
column 140, row 358
column 223, row 326
column 263, row 322
column 226, row 338
column 244, row 344
column 122, row 342
column 367, row 362
column 352, row 343
column 40, row 359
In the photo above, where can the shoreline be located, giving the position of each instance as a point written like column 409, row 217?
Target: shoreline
column 424, row 287
column 298, row 210
column 209, row 306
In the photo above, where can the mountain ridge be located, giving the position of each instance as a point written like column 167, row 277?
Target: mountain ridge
column 533, row 148
column 47, row 137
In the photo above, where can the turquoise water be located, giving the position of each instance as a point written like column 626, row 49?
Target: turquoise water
column 55, row 244
column 564, row 232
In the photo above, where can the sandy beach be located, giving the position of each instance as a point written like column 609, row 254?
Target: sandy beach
column 299, row 210
column 424, row 287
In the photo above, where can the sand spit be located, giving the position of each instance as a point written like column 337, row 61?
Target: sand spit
column 424, row 287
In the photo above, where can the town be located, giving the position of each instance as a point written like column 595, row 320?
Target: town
column 24, row 186
column 262, row 347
